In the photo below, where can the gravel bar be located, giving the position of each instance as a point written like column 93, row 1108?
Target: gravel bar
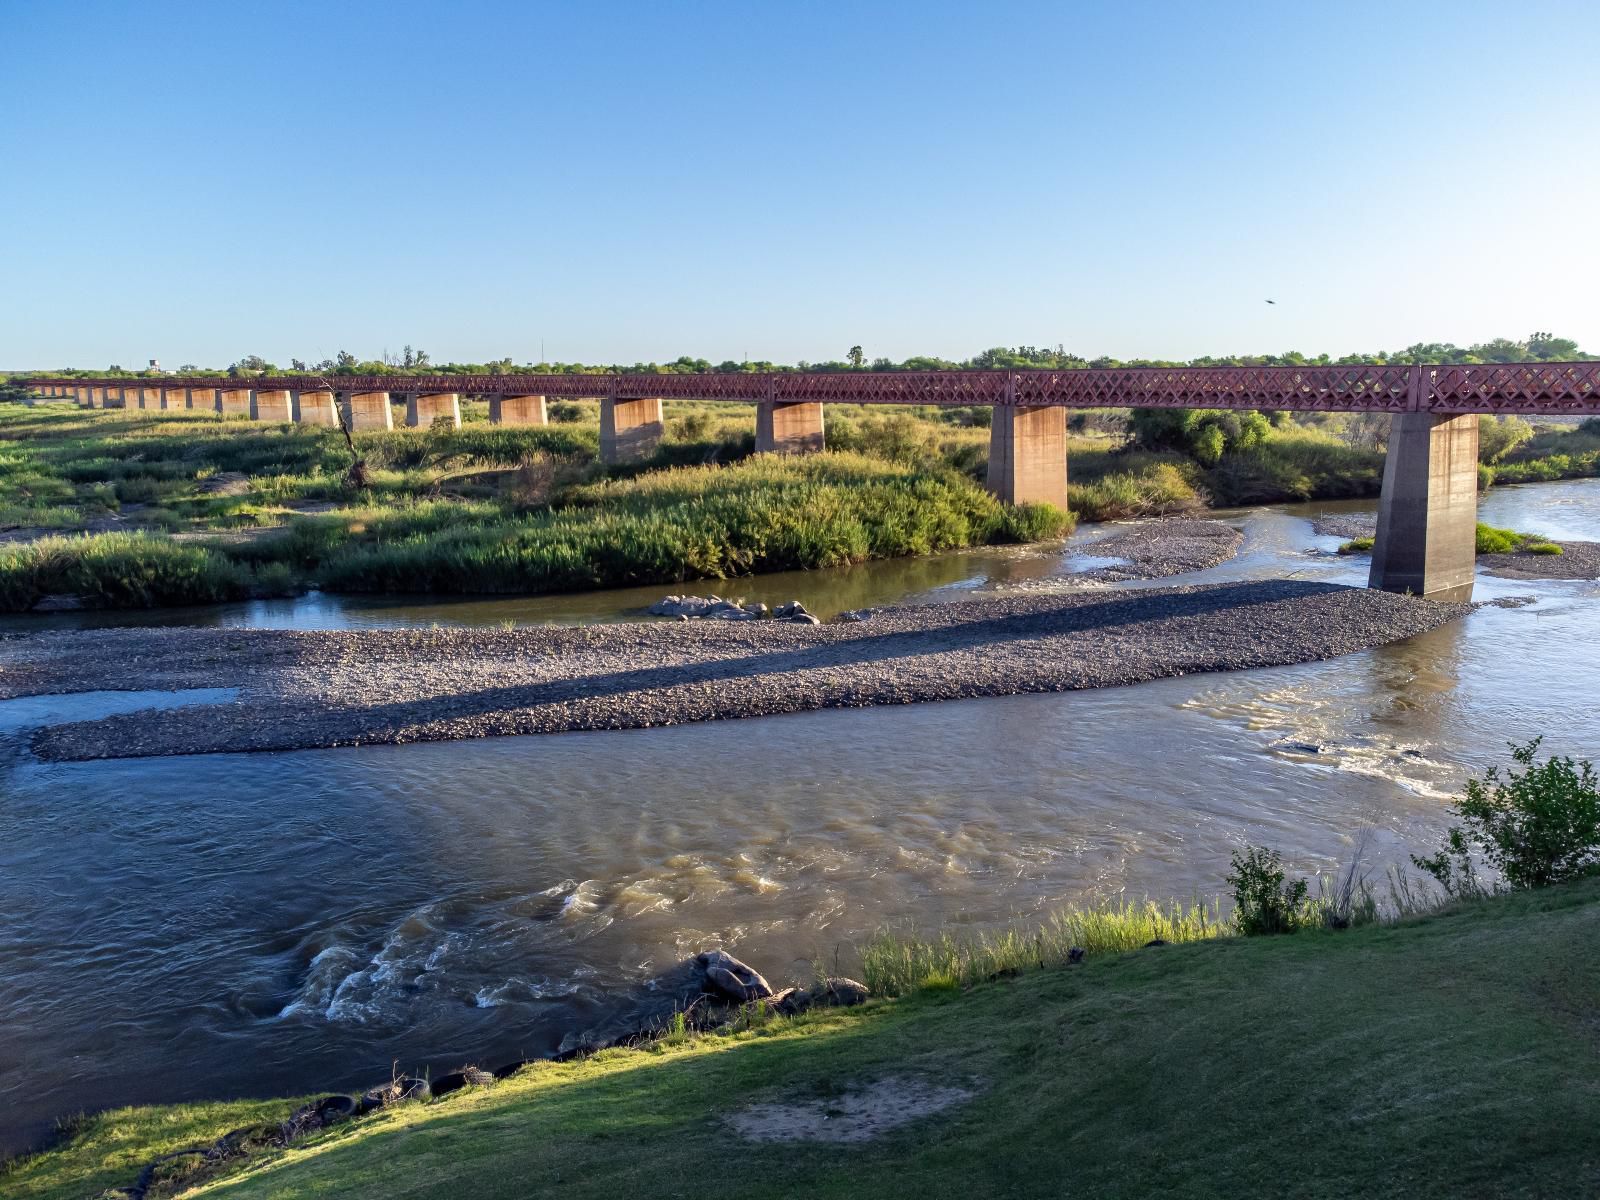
column 304, row 688
column 1155, row 549
column 1577, row 560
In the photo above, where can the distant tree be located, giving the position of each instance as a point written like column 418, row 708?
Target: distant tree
column 1546, row 347
column 345, row 360
column 408, row 359
column 296, row 365
column 856, row 357
column 421, row 359
column 250, row 362
column 188, row 367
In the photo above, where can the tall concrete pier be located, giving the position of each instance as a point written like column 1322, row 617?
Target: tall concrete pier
column 318, row 407
column 370, row 410
column 1428, row 517
column 789, row 428
column 275, row 404
column 629, row 429
column 517, row 410
column 424, row 408
column 234, row 401
column 1028, row 455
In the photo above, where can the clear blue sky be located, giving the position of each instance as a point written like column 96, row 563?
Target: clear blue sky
column 201, row 181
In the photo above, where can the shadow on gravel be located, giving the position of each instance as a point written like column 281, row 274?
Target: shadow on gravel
column 1096, row 613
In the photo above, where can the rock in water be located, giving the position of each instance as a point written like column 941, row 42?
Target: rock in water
column 729, row 977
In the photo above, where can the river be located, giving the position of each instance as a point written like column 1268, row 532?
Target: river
column 278, row 923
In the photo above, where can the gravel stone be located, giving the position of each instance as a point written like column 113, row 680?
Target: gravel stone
column 314, row 688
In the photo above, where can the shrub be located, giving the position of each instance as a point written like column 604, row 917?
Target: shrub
column 1263, row 902
column 1536, row 827
column 1543, row 548
column 1360, row 545
column 1496, row 541
column 118, row 570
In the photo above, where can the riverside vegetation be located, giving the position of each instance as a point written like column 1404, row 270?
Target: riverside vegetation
column 128, row 508
column 1004, row 1068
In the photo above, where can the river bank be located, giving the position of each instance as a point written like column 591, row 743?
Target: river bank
column 1014, row 1086
column 301, row 689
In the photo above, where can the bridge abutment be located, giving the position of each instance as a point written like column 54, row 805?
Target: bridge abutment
column 424, row 408
column 369, row 410
column 1028, row 455
column 629, row 429
column 272, row 404
column 789, row 428
column 517, row 410
column 1428, row 517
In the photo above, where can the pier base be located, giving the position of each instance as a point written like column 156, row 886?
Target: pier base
column 629, row 429
column 1028, row 455
column 369, row 410
column 517, row 410
column 231, row 401
column 424, row 409
column 174, row 398
column 272, row 405
column 1428, row 517
column 204, row 399
column 789, row 428
column 316, row 408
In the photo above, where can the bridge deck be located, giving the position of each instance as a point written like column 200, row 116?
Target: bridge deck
column 1569, row 388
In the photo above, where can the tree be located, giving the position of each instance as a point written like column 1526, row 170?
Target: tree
column 296, row 365
column 345, row 361
column 856, row 357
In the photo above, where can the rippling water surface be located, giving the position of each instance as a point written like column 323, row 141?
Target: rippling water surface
column 223, row 925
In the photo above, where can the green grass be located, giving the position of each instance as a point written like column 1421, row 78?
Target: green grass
column 1452, row 1055
column 1360, row 545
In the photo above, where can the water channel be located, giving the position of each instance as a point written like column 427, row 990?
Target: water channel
column 271, row 924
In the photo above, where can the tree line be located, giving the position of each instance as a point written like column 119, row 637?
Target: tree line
column 1536, row 347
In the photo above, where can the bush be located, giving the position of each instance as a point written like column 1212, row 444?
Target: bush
column 1543, row 548
column 118, row 570
column 1263, row 902
column 1496, row 541
column 1536, row 827
column 1204, row 434
column 1360, row 545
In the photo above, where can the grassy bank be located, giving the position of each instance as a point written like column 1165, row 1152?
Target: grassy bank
column 1447, row 1055
column 157, row 509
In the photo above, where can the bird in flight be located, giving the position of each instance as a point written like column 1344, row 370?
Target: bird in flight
column 1271, row 301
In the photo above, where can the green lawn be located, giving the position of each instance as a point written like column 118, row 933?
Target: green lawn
column 1454, row 1055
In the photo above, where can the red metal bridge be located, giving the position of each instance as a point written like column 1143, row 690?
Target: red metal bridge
column 1530, row 389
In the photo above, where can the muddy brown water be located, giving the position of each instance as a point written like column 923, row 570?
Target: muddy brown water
column 173, row 929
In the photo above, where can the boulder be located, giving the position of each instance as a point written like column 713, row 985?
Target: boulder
column 838, row 990
column 728, row 977
column 396, row 1091
column 792, row 609
column 757, row 609
column 804, row 618
column 58, row 602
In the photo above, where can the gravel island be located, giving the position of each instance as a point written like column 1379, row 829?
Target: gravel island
column 315, row 688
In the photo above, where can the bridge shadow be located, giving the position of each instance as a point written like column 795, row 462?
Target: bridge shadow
column 944, row 633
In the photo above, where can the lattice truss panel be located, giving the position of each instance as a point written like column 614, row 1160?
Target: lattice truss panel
column 1548, row 389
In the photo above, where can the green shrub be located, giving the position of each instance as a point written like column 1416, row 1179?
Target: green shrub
column 1156, row 490
column 1537, row 826
column 1543, row 548
column 1360, row 545
column 1497, row 541
column 117, row 570
column 1263, row 902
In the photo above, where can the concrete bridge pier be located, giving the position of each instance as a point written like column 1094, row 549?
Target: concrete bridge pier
column 1028, row 455
column 85, row 397
column 789, row 428
column 234, row 401
column 369, row 410
column 116, row 397
column 205, row 399
column 1428, row 517
column 174, row 397
column 316, row 408
column 272, row 404
column 142, row 397
column 629, row 429
column 424, row 408
column 517, row 410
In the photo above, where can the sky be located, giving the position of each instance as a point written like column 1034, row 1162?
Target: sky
column 621, row 182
